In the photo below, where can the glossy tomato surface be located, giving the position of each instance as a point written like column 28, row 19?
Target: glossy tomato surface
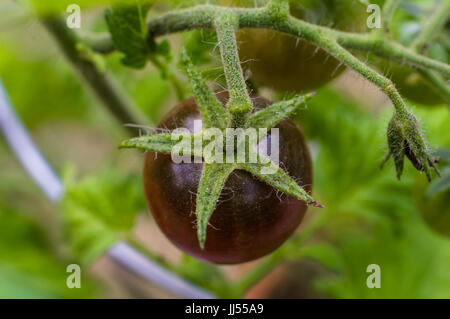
column 286, row 63
column 251, row 218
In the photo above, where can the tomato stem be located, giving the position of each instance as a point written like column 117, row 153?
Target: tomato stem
column 239, row 103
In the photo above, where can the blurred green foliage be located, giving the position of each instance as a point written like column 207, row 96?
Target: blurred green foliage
column 29, row 264
column 57, row 95
column 100, row 210
column 370, row 216
column 373, row 218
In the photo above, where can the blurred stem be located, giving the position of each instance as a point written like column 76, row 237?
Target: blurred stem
column 432, row 28
column 275, row 18
column 388, row 11
column 142, row 249
column 383, row 83
column 100, row 43
column 290, row 250
column 100, row 84
column 438, row 84
column 259, row 272
column 179, row 90
column 168, row 74
column 422, row 42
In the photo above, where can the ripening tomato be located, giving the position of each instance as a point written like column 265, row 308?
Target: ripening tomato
column 251, row 218
column 286, row 63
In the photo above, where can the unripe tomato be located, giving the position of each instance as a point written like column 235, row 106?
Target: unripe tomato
column 251, row 218
column 286, row 63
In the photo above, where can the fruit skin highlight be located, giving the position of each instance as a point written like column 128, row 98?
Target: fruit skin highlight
column 251, row 218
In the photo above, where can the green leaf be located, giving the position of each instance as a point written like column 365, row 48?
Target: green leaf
column 200, row 44
column 99, row 211
column 127, row 25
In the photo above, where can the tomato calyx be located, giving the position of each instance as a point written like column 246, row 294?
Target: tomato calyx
column 405, row 139
column 220, row 120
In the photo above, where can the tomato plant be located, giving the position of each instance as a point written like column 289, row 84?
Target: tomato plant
column 233, row 212
column 169, row 186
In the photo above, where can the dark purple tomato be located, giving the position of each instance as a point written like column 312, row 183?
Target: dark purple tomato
column 251, row 218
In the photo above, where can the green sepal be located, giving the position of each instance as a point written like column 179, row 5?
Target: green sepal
column 272, row 174
column 405, row 139
column 212, row 181
column 164, row 143
column 274, row 114
column 212, row 111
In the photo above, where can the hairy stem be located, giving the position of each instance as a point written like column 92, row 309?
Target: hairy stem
column 100, row 84
column 390, row 50
column 204, row 17
column 386, row 85
column 239, row 103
